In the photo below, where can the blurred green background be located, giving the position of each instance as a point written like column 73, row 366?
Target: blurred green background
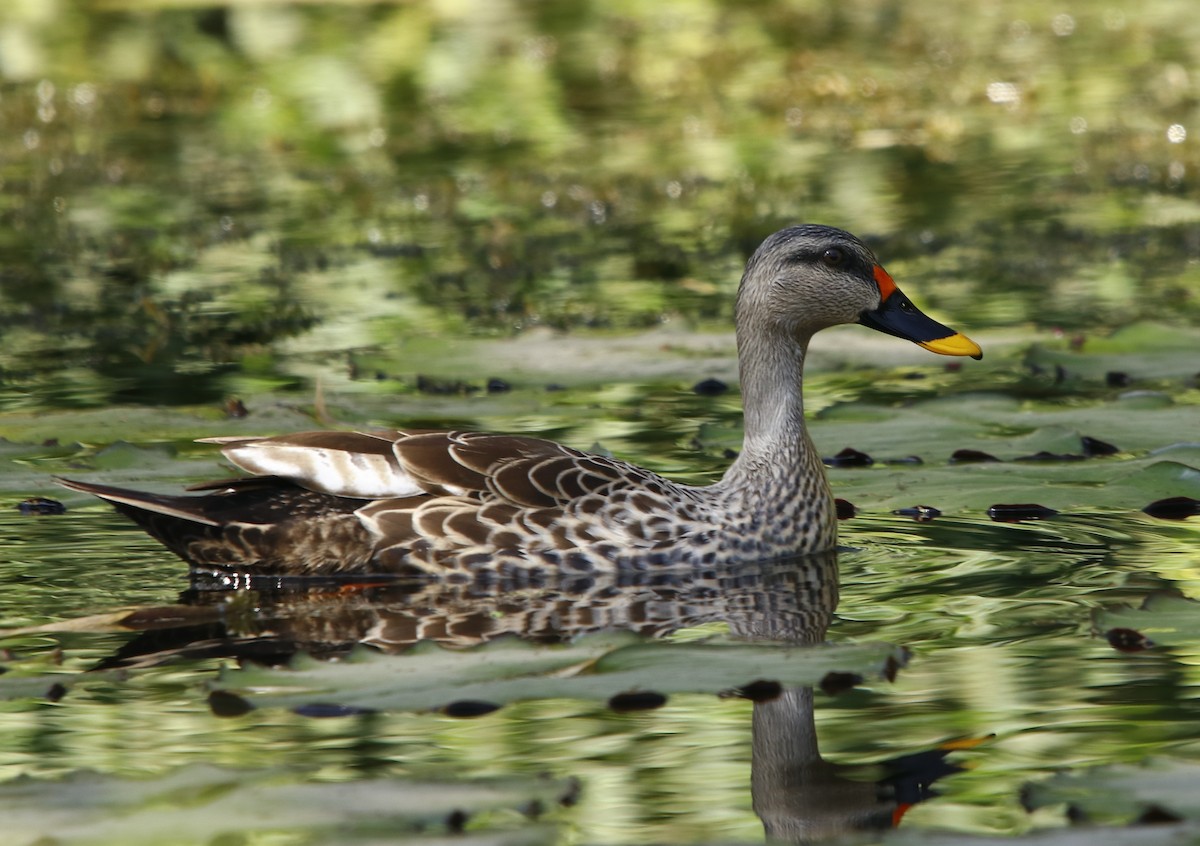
column 198, row 197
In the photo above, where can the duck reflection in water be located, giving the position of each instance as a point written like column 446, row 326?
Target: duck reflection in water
column 800, row 797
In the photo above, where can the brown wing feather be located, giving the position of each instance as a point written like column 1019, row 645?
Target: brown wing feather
column 429, row 459
column 497, row 514
column 392, row 519
column 429, row 519
column 481, row 452
column 513, row 482
column 463, row 527
column 562, row 479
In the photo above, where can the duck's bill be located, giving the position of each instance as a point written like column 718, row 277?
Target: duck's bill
column 898, row 316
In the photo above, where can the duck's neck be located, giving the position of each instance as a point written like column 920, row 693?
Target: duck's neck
column 777, row 485
column 776, row 445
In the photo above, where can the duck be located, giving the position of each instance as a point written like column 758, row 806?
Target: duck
column 408, row 502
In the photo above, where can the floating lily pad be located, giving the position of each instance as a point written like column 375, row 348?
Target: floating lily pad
column 597, row 667
column 200, row 804
column 1163, row 619
column 1124, row 794
column 45, row 686
column 1147, row 835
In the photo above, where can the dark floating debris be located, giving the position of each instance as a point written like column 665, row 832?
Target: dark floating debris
column 40, row 506
column 641, row 700
column 845, row 509
column 235, row 408
column 456, row 821
column 1173, row 508
column 1076, row 815
column 837, row 682
column 225, row 704
column 971, row 456
column 498, row 386
column 1117, row 379
column 532, row 809
column 1093, row 447
column 467, row 708
column 710, row 388
column 570, row 796
column 1015, row 513
column 56, row 692
column 920, row 513
column 849, row 457
column 1127, row 640
column 1051, row 456
column 760, row 690
column 329, row 710
column 1157, row 815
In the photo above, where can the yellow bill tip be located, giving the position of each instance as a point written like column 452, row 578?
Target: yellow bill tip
column 956, row 344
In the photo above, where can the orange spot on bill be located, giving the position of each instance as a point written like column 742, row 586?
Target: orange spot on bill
column 885, row 283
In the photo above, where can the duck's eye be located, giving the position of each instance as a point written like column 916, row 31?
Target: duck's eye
column 834, row 257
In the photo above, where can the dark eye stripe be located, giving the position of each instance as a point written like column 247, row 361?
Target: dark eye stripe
column 849, row 260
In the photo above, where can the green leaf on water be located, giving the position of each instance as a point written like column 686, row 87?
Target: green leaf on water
column 1150, row 835
column 201, row 804
column 596, row 667
column 1163, row 618
column 14, row 686
column 1123, row 794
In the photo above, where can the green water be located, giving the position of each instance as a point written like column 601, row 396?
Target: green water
column 309, row 207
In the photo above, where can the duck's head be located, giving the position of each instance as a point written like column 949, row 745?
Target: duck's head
column 806, row 278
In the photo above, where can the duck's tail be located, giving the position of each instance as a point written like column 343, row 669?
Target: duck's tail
column 140, row 504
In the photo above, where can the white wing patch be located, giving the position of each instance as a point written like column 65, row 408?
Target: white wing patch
column 333, row 471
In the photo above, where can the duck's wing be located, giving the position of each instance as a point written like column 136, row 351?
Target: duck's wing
column 355, row 501
column 507, row 492
column 521, row 471
column 361, row 465
column 513, row 469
